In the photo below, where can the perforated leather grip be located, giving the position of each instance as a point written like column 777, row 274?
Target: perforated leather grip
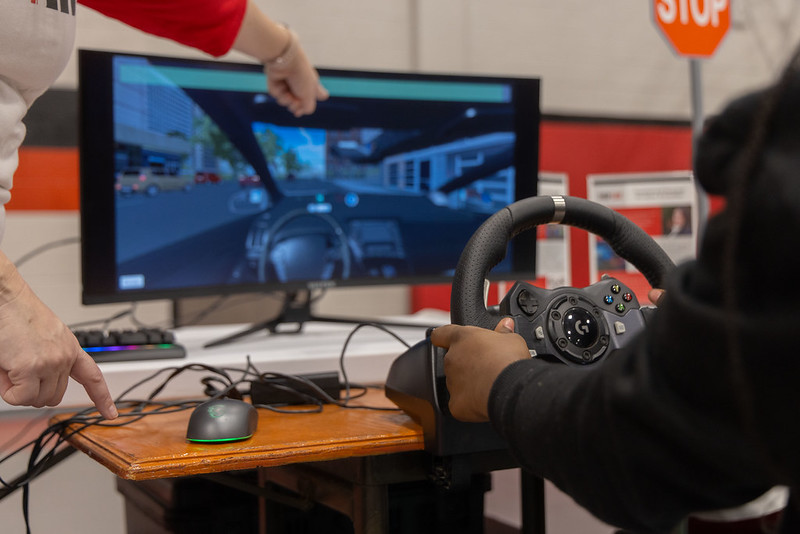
column 489, row 243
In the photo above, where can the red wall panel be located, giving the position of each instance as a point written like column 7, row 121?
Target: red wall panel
column 47, row 179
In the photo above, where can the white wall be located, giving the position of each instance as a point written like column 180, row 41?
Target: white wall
column 595, row 58
column 55, row 274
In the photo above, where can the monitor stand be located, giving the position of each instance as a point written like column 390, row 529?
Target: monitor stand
column 297, row 311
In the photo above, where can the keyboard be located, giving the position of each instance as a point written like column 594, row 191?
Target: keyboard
column 129, row 345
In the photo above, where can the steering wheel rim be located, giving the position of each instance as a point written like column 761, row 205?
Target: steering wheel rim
column 487, row 247
column 336, row 230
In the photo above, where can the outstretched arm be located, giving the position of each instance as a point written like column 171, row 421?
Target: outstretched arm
column 216, row 27
column 291, row 78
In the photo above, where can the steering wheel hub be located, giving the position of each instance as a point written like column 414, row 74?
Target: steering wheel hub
column 576, row 325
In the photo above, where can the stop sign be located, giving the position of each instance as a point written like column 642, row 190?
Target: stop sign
column 693, row 27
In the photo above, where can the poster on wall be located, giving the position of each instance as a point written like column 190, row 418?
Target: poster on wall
column 553, row 265
column 663, row 204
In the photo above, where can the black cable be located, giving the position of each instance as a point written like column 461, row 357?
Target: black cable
column 106, row 320
column 312, row 298
column 58, row 432
column 220, row 302
column 345, row 379
column 47, row 413
column 347, row 342
column 69, row 241
column 49, row 446
column 41, row 455
column 44, row 248
column 85, row 417
column 208, row 310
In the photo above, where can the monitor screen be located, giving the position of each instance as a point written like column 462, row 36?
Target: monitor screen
column 194, row 181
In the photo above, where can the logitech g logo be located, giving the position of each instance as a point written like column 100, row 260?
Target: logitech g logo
column 582, row 327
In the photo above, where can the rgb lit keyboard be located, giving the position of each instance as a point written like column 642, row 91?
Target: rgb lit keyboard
column 129, row 345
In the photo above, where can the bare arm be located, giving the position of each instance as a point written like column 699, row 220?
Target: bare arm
column 291, row 78
column 38, row 353
column 216, row 26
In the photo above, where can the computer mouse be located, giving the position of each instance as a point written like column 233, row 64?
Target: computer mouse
column 222, row 420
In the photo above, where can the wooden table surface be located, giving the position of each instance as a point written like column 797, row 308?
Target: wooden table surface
column 156, row 446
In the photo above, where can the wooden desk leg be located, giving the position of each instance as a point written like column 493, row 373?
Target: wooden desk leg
column 370, row 509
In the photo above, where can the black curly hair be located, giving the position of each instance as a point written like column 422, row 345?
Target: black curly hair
column 749, row 164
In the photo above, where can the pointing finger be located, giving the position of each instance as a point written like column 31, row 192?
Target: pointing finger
column 87, row 373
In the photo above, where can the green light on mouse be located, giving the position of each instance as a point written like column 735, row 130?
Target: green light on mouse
column 223, row 440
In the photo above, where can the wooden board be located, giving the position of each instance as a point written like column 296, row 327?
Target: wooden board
column 156, row 446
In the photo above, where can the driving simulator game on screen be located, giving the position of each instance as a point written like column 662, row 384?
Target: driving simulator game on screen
column 215, row 184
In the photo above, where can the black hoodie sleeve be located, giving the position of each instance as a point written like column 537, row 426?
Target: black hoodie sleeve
column 677, row 422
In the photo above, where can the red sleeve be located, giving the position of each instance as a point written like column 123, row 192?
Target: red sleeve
column 208, row 25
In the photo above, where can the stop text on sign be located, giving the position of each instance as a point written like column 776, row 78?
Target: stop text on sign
column 693, row 27
column 700, row 12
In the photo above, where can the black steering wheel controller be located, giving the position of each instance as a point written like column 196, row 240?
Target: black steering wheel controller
column 571, row 325
column 576, row 326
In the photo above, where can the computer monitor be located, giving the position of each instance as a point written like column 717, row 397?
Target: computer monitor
column 194, row 181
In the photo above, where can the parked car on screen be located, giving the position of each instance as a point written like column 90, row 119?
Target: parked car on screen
column 151, row 181
column 249, row 180
column 204, row 177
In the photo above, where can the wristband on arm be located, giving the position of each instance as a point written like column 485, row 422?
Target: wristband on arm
column 288, row 53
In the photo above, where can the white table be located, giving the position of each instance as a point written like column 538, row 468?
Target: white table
column 316, row 349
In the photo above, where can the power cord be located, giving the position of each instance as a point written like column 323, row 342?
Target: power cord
column 221, row 301
column 347, row 343
column 25, row 258
column 106, row 322
column 52, row 440
column 44, row 248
